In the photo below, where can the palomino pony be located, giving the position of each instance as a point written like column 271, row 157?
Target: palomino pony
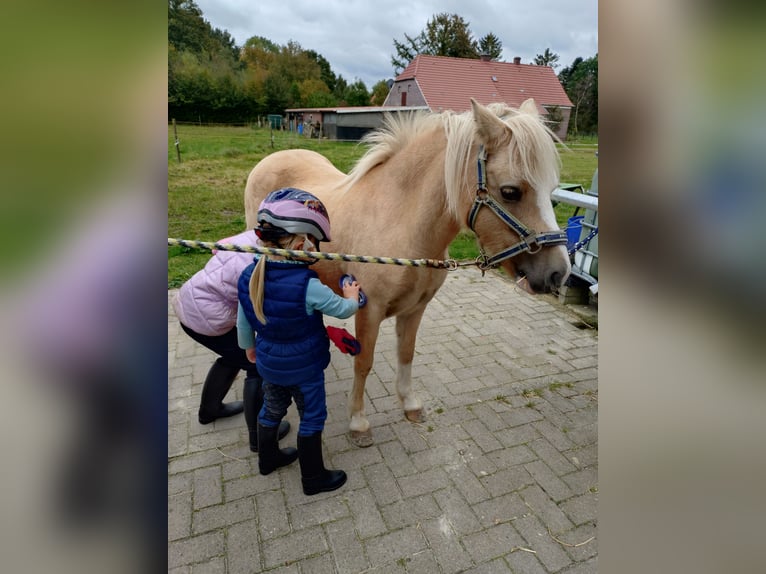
column 423, row 178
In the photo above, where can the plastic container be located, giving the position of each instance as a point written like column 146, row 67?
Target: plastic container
column 574, row 228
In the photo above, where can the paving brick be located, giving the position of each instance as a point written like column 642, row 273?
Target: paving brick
column 423, row 561
column 492, row 543
column 195, row 549
column 346, row 546
column 548, row 480
column 396, row 545
column 245, row 486
column 179, row 516
column 367, row 518
column 556, row 461
column 272, row 514
column 484, row 476
column 214, row 566
column 522, row 562
column 316, row 512
column 548, row 551
column 467, row 483
column 587, row 567
column 457, row 510
column 497, row 566
column 582, row 481
column 294, row 547
column 507, row 480
column 545, row 509
column 410, row 512
column 242, row 548
column 207, row 487
column 580, row 543
column 423, row 482
column 499, row 510
column 322, row 564
column 215, row 517
column 581, row 509
column 445, row 544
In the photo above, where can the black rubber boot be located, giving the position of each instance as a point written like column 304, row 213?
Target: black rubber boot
column 270, row 456
column 314, row 476
column 217, row 384
column 253, row 395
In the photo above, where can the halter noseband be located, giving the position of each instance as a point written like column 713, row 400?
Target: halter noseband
column 530, row 240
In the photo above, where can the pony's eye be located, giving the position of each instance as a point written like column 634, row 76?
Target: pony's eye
column 510, row 193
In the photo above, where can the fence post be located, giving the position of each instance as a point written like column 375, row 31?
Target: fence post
column 177, row 143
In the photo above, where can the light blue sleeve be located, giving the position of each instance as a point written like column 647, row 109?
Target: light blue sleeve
column 321, row 298
column 245, row 334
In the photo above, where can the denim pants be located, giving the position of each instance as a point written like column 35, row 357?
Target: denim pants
column 310, row 399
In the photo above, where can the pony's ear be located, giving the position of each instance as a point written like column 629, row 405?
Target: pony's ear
column 529, row 107
column 491, row 129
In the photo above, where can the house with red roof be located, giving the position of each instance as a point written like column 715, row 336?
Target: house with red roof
column 441, row 83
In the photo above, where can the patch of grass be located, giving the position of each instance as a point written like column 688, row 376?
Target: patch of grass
column 502, row 399
column 205, row 190
column 530, row 404
column 557, row 385
column 464, row 246
column 439, row 410
column 529, row 393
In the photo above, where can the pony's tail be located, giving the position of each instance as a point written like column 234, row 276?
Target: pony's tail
column 257, row 280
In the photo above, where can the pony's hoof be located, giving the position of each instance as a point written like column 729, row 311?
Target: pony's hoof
column 415, row 416
column 362, row 439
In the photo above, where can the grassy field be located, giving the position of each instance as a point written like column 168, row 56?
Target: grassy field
column 205, row 190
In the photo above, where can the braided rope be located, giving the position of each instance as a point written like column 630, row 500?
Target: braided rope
column 580, row 244
column 449, row 264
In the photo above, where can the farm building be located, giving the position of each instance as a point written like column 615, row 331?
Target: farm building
column 349, row 123
column 438, row 83
column 448, row 84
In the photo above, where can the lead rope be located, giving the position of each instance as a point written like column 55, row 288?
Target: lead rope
column 449, row 264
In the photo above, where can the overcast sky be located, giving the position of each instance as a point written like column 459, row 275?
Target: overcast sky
column 357, row 36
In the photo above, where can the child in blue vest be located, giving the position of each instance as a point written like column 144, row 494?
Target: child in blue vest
column 281, row 303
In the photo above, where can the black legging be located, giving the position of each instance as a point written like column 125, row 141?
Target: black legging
column 227, row 347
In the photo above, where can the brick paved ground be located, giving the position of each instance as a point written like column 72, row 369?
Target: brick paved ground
column 502, row 477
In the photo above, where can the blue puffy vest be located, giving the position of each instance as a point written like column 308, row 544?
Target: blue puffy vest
column 291, row 347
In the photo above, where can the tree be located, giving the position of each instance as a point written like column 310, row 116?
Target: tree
column 492, row 46
column 357, row 94
column 380, row 92
column 325, row 70
column 444, row 35
column 450, row 35
column 580, row 81
column 547, row 58
column 405, row 53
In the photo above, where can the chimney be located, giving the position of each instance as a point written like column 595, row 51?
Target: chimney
column 485, row 57
column 517, row 60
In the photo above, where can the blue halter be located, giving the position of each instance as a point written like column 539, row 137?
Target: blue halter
column 530, row 240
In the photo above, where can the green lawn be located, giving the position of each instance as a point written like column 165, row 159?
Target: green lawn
column 205, row 190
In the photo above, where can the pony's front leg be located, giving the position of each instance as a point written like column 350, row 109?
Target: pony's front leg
column 367, row 325
column 406, row 333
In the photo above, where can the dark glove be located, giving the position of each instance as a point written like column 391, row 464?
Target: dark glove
column 344, row 340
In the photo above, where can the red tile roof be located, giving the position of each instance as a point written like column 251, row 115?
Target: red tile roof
column 449, row 83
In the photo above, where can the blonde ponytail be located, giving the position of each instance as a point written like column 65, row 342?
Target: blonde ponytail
column 257, row 280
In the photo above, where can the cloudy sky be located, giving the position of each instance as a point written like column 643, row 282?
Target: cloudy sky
column 357, row 36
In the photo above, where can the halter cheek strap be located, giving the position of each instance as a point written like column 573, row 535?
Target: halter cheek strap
column 530, row 240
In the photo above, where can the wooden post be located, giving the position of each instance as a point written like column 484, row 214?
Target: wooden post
column 178, row 144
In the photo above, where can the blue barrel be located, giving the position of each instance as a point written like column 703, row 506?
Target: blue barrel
column 574, row 228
